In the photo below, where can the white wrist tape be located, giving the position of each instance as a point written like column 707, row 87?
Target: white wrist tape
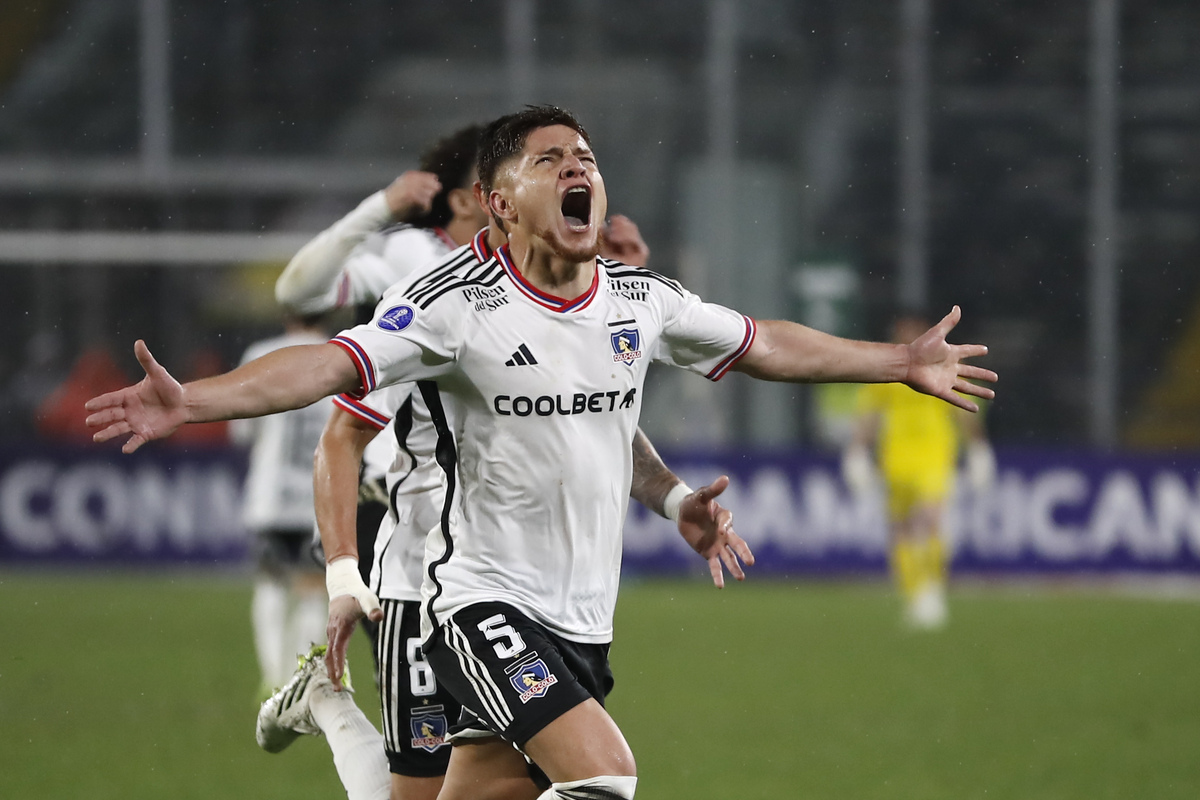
column 342, row 578
column 673, row 500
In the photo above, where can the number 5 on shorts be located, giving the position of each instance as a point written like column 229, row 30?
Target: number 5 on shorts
column 495, row 628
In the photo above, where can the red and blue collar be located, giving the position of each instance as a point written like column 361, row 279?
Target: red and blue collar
column 479, row 245
column 541, row 298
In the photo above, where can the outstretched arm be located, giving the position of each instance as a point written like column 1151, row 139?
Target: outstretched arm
column 703, row 523
column 309, row 282
column 291, row 377
column 786, row 351
column 336, row 467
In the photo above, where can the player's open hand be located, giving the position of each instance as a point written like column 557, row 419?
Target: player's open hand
column 349, row 601
column 150, row 409
column 936, row 368
column 621, row 240
column 707, row 527
column 344, row 614
column 411, row 192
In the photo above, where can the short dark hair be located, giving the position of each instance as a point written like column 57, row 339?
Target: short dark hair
column 452, row 159
column 505, row 137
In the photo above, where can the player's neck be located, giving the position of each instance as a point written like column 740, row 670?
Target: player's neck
column 548, row 271
column 495, row 238
column 461, row 230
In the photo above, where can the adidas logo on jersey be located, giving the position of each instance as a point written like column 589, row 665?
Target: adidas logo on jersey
column 521, row 358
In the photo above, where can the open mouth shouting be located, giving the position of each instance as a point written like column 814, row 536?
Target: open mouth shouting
column 577, row 208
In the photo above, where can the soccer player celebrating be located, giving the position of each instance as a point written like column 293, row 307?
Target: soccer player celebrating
column 353, row 262
column 521, row 574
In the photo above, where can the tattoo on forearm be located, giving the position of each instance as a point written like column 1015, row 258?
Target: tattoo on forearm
column 652, row 480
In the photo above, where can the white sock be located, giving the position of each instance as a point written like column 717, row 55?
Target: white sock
column 357, row 747
column 268, row 612
column 609, row 786
column 310, row 615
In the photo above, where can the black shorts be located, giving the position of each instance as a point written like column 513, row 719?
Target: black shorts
column 512, row 676
column 417, row 710
column 279, row 551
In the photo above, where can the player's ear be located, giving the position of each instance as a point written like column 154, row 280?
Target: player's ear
column 501, row 207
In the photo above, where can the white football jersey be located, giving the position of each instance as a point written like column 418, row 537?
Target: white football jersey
column 536, row 402
column 279, row 483
column 384, row 259
column 416, row 487
column 416, row 484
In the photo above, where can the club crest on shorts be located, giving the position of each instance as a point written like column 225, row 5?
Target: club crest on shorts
column 396, row 318
column 626, row 345
column 533, row 679
column 428, row 727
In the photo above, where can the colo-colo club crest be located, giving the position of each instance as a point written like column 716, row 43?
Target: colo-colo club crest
column 533, row 679
column 626, row 345
column 428, row 727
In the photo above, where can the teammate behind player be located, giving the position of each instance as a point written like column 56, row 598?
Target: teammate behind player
column 522, row 572
column 421, row 216
column 917, row 442
column 417, row 219
column 289, row 604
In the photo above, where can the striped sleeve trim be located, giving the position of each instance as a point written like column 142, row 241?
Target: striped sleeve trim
column 719, row 370
column 356, row 409
column 362, row 362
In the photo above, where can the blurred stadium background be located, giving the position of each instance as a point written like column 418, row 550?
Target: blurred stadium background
column 160, row 160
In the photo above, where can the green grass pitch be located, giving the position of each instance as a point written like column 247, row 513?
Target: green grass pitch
column 128, row 687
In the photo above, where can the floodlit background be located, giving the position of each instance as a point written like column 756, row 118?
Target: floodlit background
column 828, row 162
